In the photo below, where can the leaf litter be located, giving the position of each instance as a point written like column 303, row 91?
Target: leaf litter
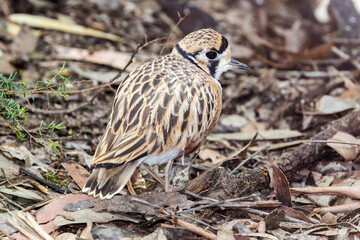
column 304, row 86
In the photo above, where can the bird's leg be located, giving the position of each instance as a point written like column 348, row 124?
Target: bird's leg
column 130, row 187
column 167, row 171
column 154, row 174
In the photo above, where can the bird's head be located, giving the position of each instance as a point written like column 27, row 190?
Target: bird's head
column 208, row 50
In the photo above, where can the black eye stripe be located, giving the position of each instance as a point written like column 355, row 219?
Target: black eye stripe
column 224, row 44
column 187, row 55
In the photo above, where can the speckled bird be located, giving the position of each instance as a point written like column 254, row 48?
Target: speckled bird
column 162, row 111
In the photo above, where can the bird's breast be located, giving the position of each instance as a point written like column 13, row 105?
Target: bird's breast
column 207, row 105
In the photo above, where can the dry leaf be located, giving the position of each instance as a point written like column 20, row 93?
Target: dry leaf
column 213, row 155
column 111, row 58
column 321, row 51
column 281, row 185
column 328, row 218
column 5, row 227
column 330, row 105
column 66, row 236
column 352, row 93
column 274, row 219
column 22, row 153
column 254, row 126
column 233, row 121
column 78, row 173
column 290, row 212
column 10, row 169
column 261, row 227
column 347, row 151
column 24, row 44
column 5, row 66
column 53, row 24
column 21, row 192
column 85, row 215
column 56, row 206
column 225, row 233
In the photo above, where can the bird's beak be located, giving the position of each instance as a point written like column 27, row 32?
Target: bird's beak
column 236, row 64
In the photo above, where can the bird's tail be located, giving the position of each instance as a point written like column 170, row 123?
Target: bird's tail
column 106, row 182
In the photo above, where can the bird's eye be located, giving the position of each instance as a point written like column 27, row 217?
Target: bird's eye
column 211, row 54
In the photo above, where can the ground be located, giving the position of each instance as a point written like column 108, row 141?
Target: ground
column 282, row 162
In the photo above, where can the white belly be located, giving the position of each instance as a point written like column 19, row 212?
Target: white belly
column 160, row 159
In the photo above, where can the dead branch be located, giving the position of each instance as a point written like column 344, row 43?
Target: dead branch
column 10, row 201
column 344, row 208
column 191, row 227
column 349, row 191
column 43, row 181
column 309, row 154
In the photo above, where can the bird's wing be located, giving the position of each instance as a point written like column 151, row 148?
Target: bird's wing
column 156, row 109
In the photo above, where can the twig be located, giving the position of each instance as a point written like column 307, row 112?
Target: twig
column 332, row 141
column 191, row 218
column 310, row 154
column 23, row 129
column 172, row 30
column 287, row 218
column 258, row 204
column 215, row 200
column 191, row 227
column 30, row 221
column 46, row 183
column 248, row 158
column 10, row 201
column 145, row 202
column 198, row 196
column 347, row 81
column 58, row 111
column 225, row 204
column 169, row 215
column 345, row 56
column 311, row 74
column 16, row 225
column 6, row 234
column 138, row 46
column 37, row 205
column 345, row 41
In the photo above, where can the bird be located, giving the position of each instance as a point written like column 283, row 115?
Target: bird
column 162, row 111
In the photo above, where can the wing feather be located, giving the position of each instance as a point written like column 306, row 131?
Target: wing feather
column 157, row 111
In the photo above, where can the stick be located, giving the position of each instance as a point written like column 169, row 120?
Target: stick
column 248, row 158
column 46, row 183
column 191, row 227
column 309, row 154
column 10, row 201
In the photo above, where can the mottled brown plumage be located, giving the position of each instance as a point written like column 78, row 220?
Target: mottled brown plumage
column 163, row 110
